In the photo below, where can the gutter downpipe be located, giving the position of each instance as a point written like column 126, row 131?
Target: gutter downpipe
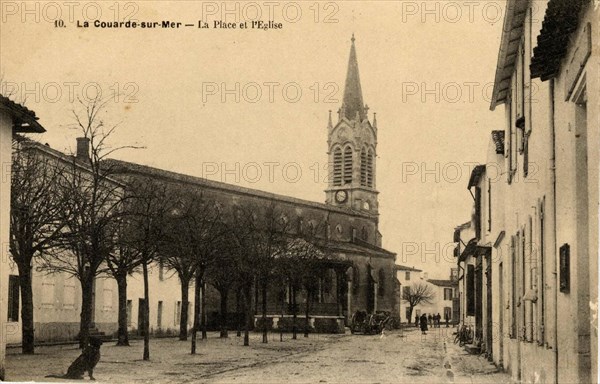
column 555, row 266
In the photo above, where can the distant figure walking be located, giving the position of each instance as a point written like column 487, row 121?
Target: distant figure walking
column 417, row 321
column 447, row 317
column 424, row 324
column 439, row 319
column 430, row 318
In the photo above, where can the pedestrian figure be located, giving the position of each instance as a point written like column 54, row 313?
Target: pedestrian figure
column 430, row 318
column 417, row 321
column 424, row 324
column 439, row 318
column 447, row 319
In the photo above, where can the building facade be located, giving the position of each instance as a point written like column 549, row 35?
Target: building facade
column 357, row 275
column 14, row 118
column 536, row 198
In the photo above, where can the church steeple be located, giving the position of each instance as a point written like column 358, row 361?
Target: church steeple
column 353, row 100
column 352, row 149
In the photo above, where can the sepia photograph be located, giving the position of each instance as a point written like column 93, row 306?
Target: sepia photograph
column 299, row 191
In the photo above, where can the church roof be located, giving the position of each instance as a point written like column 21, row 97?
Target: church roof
column 353, row 100
column 125, row 167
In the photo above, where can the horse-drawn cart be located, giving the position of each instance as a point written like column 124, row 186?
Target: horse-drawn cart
column 369, row 324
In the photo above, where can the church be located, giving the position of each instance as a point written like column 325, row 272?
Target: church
column 358, row 273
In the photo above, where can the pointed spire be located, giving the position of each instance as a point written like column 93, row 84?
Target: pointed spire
column 330, row 124
column 353, row 100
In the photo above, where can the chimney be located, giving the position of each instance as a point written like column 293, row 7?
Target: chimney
column 83, row 148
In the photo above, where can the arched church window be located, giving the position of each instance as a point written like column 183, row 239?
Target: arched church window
column 347, row 165
column 337, row 167
column 363, row 167
column 381, row 283
column 370, row 157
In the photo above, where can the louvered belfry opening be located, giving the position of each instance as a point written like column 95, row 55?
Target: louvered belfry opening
column 348, row 165
column 363, row 167
column 337, row 167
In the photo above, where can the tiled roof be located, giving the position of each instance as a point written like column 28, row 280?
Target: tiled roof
column 443, row 283
column 560, row 21
column 514, row 18
column 127, row 167
column 405, row 268
column 498, row 138
column 24, row 119
column 355, row 248
column 475, row 175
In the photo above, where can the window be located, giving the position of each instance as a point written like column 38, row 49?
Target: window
column 470, row 290
column 407, row 275
column 370, row 174
column 405, row 291
column 478, row 212
column 337, row 167
column 159, row 314
column 381, row 285
column 347, row 165
column 447, row 293
column 107, row 299
column 177, row 313
column 48, row 291
column 541, row 291
column 355, row 279
column 363, row 167
column 69, row 294
column 513, row 290
column 129, row 307
column 489, row 198
column 448, row 313
column 161, row 270
column 13, row 298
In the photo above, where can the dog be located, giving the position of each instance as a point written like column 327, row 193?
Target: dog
column 86, row 362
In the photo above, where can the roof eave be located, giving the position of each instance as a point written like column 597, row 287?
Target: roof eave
column 513, row 20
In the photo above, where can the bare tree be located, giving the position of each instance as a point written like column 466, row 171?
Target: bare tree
column 224, row 275
column 34, row 220
column 264, row 239
column 189, row 227
column 92, row 209
column 415, row 294
column 139, row 234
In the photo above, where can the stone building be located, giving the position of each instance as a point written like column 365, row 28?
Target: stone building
column 358, row 274
column 535, row 241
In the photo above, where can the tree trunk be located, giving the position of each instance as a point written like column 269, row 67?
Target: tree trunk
column 306, row 328
column 224, row 293
column 197, row 304
column 122, row 336
column 146, row 324
column 87, row 302
column 183, row 320
column 295, row 312
column 248, row 313
column 265, row 338
column 27, row 330
column 203, row 320
column 237, row 311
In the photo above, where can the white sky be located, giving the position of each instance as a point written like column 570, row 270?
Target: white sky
column 402, row 48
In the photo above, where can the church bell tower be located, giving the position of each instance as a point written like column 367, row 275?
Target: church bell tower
column 352, row 144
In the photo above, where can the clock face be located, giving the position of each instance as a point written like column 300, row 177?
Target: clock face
column 341, row 196
column 366, row 206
